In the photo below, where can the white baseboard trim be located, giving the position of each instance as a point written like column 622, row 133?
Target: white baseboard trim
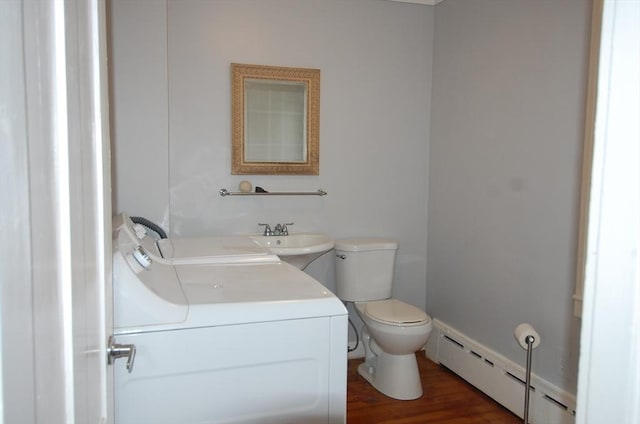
column 499, row 377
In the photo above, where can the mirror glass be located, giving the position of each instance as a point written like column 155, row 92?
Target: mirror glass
column 274, row 121
column 275, row 113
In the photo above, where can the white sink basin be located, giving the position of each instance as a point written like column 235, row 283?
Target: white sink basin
column 298, row 249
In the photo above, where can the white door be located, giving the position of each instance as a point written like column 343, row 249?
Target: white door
column 55, row 219
column 90, row 207
column 609, row 374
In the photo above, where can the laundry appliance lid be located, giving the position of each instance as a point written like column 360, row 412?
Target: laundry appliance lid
column 174, row 297
column 235, row 294
column 152, row 293
column 214, row 249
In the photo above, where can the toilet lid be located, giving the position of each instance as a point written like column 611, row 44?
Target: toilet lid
column 395, row 312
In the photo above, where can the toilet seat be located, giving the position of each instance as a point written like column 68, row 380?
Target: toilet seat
column 395, row 312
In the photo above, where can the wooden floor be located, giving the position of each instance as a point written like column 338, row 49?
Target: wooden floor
column 446, row 399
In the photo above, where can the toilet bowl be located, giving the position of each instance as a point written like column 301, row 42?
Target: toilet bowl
column 390, row 344
column 393, row 330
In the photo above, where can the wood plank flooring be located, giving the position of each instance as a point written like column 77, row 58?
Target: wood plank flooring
column 447, row 399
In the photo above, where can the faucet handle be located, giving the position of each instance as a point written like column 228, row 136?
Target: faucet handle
column 284, row 230
column 267, row 230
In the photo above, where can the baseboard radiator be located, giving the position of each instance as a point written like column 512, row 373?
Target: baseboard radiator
column 498, row 377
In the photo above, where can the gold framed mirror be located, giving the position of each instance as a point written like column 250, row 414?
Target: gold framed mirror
column 275, row 113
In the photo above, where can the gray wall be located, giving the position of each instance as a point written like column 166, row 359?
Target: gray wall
column 172, row 124
column 508, row 102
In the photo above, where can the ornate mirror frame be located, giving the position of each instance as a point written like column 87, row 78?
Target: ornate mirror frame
column 240, row 74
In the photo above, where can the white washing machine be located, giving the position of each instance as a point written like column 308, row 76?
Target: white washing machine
column 228, row 334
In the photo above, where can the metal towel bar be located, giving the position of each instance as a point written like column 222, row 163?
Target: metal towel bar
column 224, row 192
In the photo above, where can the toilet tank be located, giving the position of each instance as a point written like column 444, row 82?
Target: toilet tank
column 364, row 268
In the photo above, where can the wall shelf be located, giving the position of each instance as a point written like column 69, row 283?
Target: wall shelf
column 224, row 192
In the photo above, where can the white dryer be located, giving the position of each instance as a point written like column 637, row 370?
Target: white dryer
column 227, row 335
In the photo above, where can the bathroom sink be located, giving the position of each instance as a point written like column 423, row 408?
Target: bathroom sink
column 298, row 249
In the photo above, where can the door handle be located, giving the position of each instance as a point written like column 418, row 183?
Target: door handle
column 115, row 351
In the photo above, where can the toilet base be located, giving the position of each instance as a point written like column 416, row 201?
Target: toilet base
column 396, row 376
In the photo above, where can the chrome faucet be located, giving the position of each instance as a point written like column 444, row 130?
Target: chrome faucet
column 279, row 230
column 267, row 230
column 284, row 230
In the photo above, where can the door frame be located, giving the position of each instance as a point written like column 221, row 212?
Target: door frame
column 56, row 272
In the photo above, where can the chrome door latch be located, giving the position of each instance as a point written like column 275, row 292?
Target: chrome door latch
column 115, row 351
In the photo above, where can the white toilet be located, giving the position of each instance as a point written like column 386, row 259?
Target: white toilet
column 393, row 330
